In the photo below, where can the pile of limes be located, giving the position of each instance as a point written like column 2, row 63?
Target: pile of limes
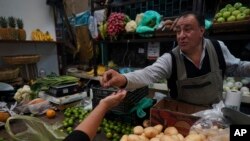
column 114, row 129
column 73, row 116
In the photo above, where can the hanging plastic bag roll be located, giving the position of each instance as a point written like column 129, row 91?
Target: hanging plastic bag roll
column 233, row 99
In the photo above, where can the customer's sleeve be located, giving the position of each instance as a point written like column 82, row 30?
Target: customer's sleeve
column 77, row 135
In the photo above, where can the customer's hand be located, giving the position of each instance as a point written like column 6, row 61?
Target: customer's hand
column 113, row 78
column 114, row 99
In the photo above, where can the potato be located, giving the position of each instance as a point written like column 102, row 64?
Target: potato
column 192, row 132
column 138, row 130
column 203, row 137
column 143, row 138
column 193, row 137
column 132, row 137
column 159, row 135
column 171, row 131
column 175, row 137
column 166, row 138
column 150, row 132
column 146, row 123
column 158, row 127
column 180, row 136
column 124, row 138
column 155, row 139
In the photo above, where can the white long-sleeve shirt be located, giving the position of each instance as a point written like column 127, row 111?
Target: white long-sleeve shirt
column 162, row 69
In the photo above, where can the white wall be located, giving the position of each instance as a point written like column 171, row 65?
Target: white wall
column 35, row 14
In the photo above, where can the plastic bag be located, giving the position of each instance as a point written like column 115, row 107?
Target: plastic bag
column 36, row 130
column 80, row 19
column 212, row 124
column 36, row 108
column 39, row 108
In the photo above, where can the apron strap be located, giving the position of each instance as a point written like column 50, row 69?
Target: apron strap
column 213, row 58
column 181, row 69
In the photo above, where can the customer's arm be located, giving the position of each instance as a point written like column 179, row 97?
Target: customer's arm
column 90, row 125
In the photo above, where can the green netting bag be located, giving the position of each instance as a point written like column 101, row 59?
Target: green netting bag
column 149, row 22
column 34, row 129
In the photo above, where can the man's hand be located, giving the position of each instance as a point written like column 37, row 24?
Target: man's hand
column 170, row 24
column 113, row 78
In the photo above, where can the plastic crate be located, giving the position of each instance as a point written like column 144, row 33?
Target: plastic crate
column 125, row 106
column 167, row 8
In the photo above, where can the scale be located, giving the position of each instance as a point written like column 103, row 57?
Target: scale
column 64, row 90
column 235, row 117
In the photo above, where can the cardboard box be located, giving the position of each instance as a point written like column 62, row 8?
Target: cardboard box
column 174, row 113
column 76, row 6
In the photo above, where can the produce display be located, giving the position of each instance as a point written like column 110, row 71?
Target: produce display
column 100, row 71
column 3, row 29
column 45, row 82
column 232, row 13
column 116, row 23
column 73, row 116
column 38, row 35
column 11, row 28
column 21, row 31
column 157, row 133
column 24, row 94
column 230, row 83
column 113, row 130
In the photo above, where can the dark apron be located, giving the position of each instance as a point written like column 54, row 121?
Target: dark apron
column 202, row 90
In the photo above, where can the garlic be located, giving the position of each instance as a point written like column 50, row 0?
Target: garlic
column 238, row 84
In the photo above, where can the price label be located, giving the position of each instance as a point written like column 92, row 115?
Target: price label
column 153, row 50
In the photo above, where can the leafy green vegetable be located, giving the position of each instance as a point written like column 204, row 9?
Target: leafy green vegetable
column 45, row 82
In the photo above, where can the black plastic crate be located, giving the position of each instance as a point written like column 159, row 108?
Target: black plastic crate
column 130, row 118
column 131, row 99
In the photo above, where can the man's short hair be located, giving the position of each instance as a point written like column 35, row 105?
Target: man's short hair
column 199, row 17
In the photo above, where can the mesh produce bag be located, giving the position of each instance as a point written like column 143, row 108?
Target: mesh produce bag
column 34, row 129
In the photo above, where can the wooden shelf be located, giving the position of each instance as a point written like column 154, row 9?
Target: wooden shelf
column 230, row 36
column 224, row 36
column 28, row 41
column 123, row 3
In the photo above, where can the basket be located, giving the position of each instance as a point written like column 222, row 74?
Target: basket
column 125, row 106
column 8, row 73
column 21, row 59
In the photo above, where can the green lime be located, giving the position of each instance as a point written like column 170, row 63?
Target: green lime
column 109, row 135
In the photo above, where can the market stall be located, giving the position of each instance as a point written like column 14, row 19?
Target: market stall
column 49, row 89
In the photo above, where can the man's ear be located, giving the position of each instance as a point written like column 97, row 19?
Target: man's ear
column 202, row 29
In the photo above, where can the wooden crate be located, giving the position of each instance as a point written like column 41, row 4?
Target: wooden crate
column 235, row 26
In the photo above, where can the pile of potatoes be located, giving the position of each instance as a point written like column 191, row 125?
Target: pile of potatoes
column 156, row 133
column 213, row 133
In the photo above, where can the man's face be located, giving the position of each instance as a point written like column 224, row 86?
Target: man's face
column 189, row 33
